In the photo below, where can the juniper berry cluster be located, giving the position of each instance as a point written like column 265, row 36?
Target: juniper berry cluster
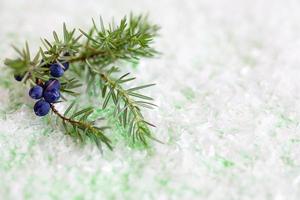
column 48, row 92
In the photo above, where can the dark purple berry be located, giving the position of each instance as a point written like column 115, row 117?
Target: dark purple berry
column 56, row 70
column 51, row 96
column 36, row 92
column 41, row 108
column 52, row 84
column 18, row 77
column 66, row 66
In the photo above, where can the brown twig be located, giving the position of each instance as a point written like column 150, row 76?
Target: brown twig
column 64, row 118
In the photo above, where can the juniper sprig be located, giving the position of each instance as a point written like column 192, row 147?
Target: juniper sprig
column 92, row 54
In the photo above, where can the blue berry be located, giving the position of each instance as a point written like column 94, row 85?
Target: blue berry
column 66, row 66
column 51, row 95
column 36, row 92
column 41, row 108
column 56, row 70
column 18, row 77
column 52, row 84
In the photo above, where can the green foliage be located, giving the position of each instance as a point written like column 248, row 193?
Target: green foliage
column 129, row 40
column 23, row 65
column 93, row 54
column 80, row 127
column 127, row 106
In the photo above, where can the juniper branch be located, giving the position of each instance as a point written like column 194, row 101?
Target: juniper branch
column 128, row 111
column 87, row 128
column 102, row 47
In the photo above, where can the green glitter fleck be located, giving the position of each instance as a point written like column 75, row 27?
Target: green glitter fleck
column 287, row 160
column 228, row 163
column 188, row 93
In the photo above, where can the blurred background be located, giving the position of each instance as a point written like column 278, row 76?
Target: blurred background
column 228, row 92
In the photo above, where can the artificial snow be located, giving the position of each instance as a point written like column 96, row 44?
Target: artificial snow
column 228, row 92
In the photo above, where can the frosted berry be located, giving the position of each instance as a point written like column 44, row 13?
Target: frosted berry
column 56, row 70
column 52, row 84
column 36, row 92
column 52, row 95
column 41, row 108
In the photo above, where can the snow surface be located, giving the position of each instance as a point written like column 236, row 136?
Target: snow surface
column 228, row 92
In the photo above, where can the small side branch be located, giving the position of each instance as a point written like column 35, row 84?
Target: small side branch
column 82, row 127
